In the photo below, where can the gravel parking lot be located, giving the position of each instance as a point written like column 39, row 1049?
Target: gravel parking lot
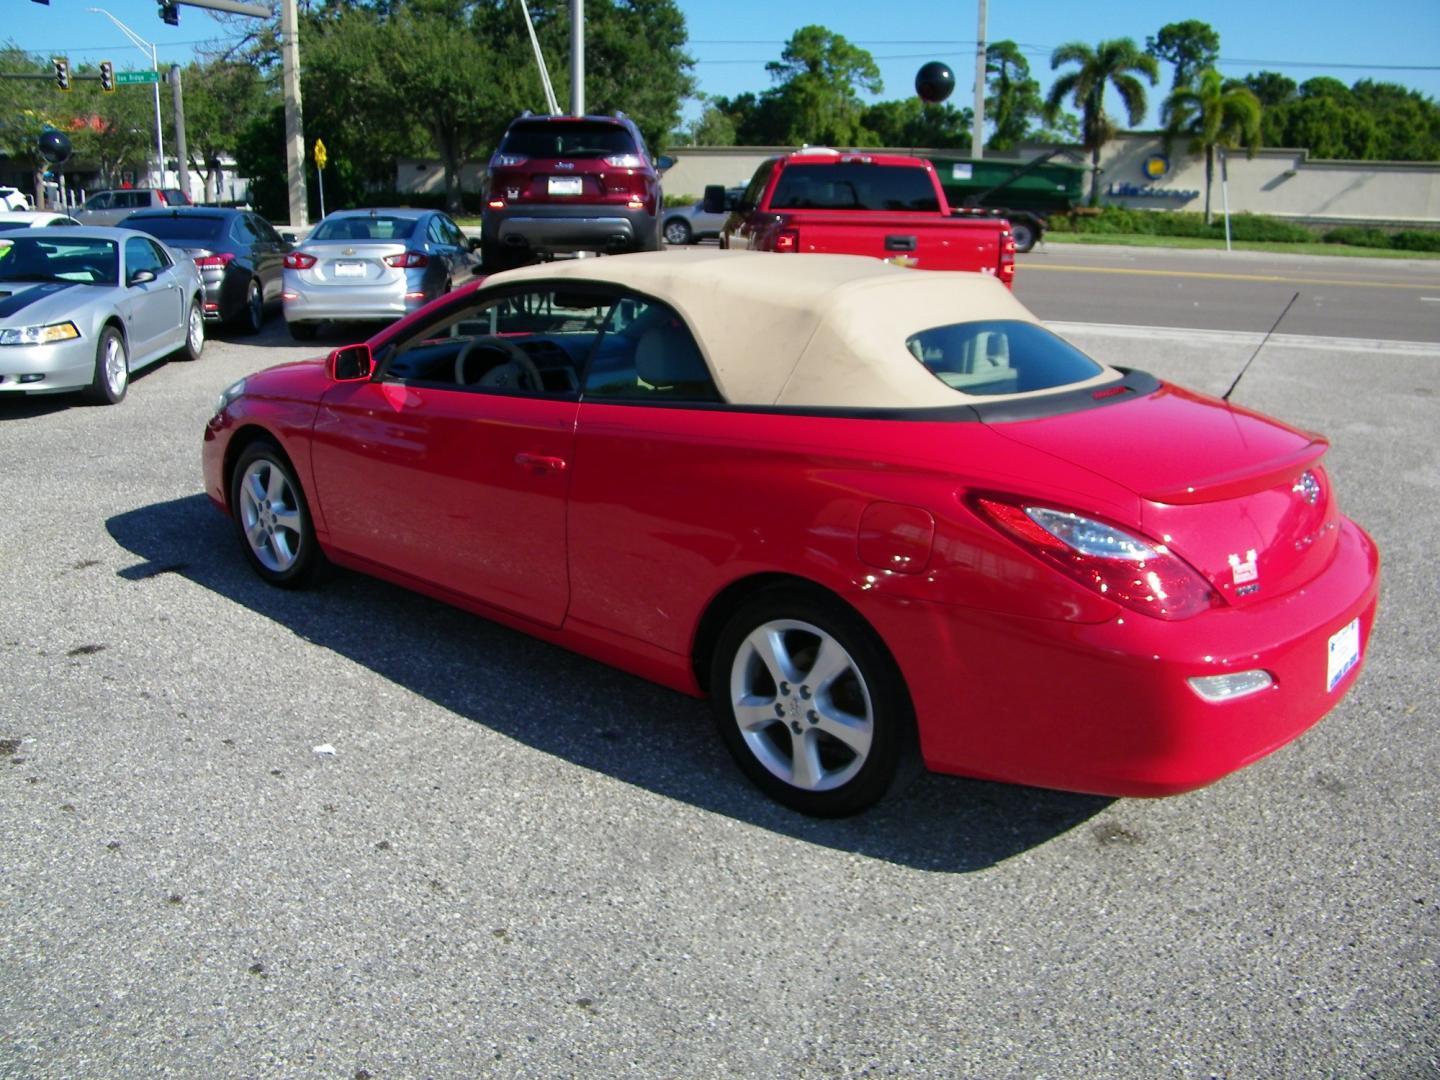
column 351, row 832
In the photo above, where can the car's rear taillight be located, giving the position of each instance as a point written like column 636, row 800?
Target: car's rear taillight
column 506, row 161
column 787, row 240
column 625, row 161
column 215, row 260
column 298, row 260
column 408, row 260
column 1141, row 575
column 1007, row 257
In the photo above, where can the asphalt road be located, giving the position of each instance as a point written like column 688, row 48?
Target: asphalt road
column 518, row 863
column 1376, row 299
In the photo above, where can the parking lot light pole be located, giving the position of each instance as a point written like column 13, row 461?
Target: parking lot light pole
column 144, row 46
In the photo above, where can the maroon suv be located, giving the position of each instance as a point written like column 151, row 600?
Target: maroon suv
column 570, row 183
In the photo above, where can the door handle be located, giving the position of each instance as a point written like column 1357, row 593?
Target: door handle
column 540, row 462
column 899, row 243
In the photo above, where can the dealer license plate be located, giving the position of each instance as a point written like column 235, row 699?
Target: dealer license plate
column 1344, row 653
column 349, row 269
column 565, row 185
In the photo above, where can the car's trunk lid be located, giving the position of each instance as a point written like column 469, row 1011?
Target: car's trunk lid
column 1239, row 496
column 352, row 262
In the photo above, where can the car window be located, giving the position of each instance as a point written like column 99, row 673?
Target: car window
column 85, row 260
column 648, row 354
column 853, row 185
column 751, row 198
column 505, row 343
column 264, row 229
column 1000, row 357
column 142, row 253
column 364, row 227
column 571, row 139
column 198, row 227
column 242, row 231
column 104, row 201
column 435, row 233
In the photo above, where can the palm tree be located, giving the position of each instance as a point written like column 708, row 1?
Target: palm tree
column 1108, row 64
column 1213, row 113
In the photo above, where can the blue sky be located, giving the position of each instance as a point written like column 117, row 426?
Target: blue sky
column 732, row 40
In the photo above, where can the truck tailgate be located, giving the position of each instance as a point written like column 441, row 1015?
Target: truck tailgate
column 919, row 240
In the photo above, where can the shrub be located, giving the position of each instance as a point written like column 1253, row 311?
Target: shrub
column 1357, row 236
column 1416, row 240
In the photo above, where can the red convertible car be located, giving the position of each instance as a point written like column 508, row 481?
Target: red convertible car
column 866, row 510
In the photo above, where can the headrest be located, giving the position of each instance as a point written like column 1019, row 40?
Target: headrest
column 666, row 355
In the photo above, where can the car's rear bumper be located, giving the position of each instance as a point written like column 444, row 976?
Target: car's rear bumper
column 558, row 228
column 43, row 369
column 391, row 300
column 1106, row 708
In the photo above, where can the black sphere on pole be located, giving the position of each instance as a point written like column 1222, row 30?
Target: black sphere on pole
column 54, row 146
column 934, row 82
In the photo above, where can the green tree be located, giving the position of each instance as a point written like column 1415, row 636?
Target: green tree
column 915, row 123
column 1014, row 96
column 816, row 97
column 1212, row 114
column 1108, row 64
column 1191, row 46
column 222, row 98
column 1274, row 92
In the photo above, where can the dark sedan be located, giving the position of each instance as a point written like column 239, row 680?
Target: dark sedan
column 239, row 254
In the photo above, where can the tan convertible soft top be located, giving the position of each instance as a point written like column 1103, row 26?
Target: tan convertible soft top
column 807, row 330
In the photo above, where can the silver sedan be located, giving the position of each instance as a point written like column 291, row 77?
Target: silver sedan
column 81, row 308
column 373, row 265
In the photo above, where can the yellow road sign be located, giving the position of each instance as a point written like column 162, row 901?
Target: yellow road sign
column 320, row 156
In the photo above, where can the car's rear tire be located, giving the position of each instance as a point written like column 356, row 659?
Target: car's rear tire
column 112, row 369
column 252, row 315
column 194, row 345
column 677, row 232
column 272, row 517
column 809, row 702
column 302, row 331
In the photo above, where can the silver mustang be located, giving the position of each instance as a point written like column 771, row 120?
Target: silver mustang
column 82, row 308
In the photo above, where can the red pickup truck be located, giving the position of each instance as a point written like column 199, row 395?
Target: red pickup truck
column 885, row 205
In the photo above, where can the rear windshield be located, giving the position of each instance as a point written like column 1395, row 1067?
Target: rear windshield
column 854, row 185
column 1000, row 357
column 376, row 227
column 189, row 227
column 575, row 139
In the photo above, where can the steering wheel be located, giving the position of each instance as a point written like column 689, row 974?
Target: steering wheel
column 517, row 361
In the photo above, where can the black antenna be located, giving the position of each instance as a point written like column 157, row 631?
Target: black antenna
column 1226, row 395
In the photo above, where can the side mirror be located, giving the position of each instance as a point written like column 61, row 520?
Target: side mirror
column 715, row 199
column 141, row 277
column 352, row 363
column 475, row 243
column 664, row 161
column 288, row 237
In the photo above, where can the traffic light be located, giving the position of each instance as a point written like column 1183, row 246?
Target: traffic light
column 169, row 13
column 62, row 73
column 107, row 76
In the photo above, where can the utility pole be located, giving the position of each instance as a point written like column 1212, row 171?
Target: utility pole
column 143, row 45
column 182, row 161
column 977, row 129
column 294, row 125
column 577, row 57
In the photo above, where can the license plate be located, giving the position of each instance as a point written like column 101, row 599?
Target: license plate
column 565, row 185
column 1344, row 653
column 349, row 269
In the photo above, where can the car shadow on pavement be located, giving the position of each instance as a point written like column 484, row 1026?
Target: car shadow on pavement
column 582, row 711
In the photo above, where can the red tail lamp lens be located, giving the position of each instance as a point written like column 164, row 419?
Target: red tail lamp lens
column 1135, row 573
column 298, row 260
column 408, row 260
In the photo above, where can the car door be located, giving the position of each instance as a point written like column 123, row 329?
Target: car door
column 449, row 467
column 154, row 309
column 270, row 250
column 441, row 237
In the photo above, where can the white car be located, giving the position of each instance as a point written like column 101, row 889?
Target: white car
column 33, row 219
column 13, row 199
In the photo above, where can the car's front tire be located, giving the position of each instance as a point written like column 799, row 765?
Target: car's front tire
column 112, row 369
column 272, row 516
column 809, row 702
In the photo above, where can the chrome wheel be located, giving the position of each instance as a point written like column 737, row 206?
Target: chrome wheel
column 195, row 332
column 116, row 367
column 270, row 515
column 677, row 232
column 802, row 705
